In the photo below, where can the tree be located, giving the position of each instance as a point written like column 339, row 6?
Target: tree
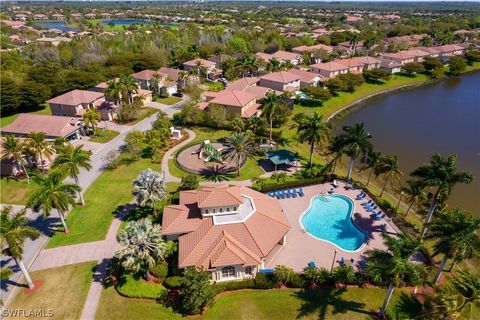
column 256, row 125
column 318, row 92
column 393, row 266
column 189, row 182
column 456, row 65
column 413, row 67
column 390, row 167
column 456, row 236
column 134, row 141
column 216, row 115
column 195, row 290
column 53, row 194
column 162, row 122
column 335, row 84
column 114, row 90
column 472, row 56
column 431, row 63
column 351, row 80
column 72, row 159
column 274, row 65
column 313, row 130
column 237, row 124
column 129, row 85
column 238, row 147
column 373, row 163
column 149, row 187
column 14, row 149
column 354, row 141
column 13, row 234
column 442, row 174
column 376, row 74
column 415, row 192
column 91, row 118
column 144, row 246
column 40, row 146
column 283, row 274
column 128, row 112
column 270, row 105
column 354, row 39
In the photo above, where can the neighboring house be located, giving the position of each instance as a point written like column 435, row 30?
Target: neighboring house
column 145, row 94
column 366, row 62
column 283, row 56
column 353, row 65
column 75, row 103
column 76, row 15
column 53, row 127
column 231, row 231
column 419, row 54
column 145, row 78
column 105, row 15
column 450, row 50
column 401, row 57
column 281, row 81
column 40, row 17
column 237, row 103
column 390, row 65
column 174, row 75
column 206, row 67
column 249, row 84
column 219, row 59
column 432, row 52
column 307, row 78
column 21, row 17
column 90, row 16
column 302, row 49
column 58, row 16
column 351, row 47
column 54, row 41
column 329, row 69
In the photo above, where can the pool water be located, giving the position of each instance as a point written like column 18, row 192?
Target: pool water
column 329, row 218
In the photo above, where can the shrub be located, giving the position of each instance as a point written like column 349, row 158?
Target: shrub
column 297, row 280
column 135, row 287
column 160, row 270
column 265, row 281
column 291, row 184
column 173, row 282
column 195, row 290
column 233, row 285
column 344, row 274
column 163, row 95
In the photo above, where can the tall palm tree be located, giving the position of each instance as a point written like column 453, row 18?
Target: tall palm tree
column 440, row 173
column 456, row 235
column 313, row 130
column 91, row 118
column 354, row 42
column 355, row 141
column 274, row 65
column 256, row 125
column 14, row 149
column 40, row 146
column 393, row 266
column 270, row 105
column 247, row 64
column 306, row 58
column 373, row 163
column 144, row 245
column 335, row 150
column 72, row 159
column 114, row 90
column 390, row 167
column 238, row 147
column 415, row 192
column 53, row 194
column 149, row 187
column 130, row 86
column 13, row 233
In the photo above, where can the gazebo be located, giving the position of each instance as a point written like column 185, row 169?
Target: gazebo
column 279, row 157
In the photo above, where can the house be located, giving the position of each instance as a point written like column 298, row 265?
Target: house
column 351, row 47
column 401, row 57
column 219, row 59
column 75, row 103
column 147, row 77
column 329, row 69
column 145, row 94
column 302, row 49
column 249, row 84
column 206, row 67
column 53, row 127
column 450, row 50
column 281, row 81
column 105, row 15
column 14, row 24
column 58, row 16
column 54, row 41
column 390, row 65
column 307, row 78
column 39, row 17
column 285, row 56
column 432, row 52
column 231, row 231
column 368, row 62
column 419, row 54
column 237, row 103
column 353, row 65
column 76, row 15
column 174, row 75
column 90, row 16
column 21, row 17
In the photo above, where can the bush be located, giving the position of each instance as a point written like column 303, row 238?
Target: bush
column 160, row 270
column 173, row 282
column 163, row 95
column 291, row 184
column 297, row 280
column 265, row 281
column 233, row 285
column 135, row 287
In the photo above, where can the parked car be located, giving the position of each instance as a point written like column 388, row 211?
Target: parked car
column 177, row 94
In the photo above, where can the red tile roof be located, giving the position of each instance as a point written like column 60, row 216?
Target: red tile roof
column 76, row 97
column 52, row 126
column 281, row 76
column 234, row 98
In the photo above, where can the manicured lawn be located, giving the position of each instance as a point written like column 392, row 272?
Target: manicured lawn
column 111, row 190
column 15, row 192
column 104, row 136
column 168, row 101
column 145, row 112
column 63, row 291
column 348, row 304
column 7, row 120
column 213, row 86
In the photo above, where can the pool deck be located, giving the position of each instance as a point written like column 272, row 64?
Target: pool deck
column 301, row 247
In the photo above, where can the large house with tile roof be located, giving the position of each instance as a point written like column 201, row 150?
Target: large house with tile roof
column 237, row 103
column 281, row 81
column 75, row 103
column 329, row 69
column 231, row 231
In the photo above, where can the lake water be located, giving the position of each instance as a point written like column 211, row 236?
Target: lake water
column 125, row 22
column 442, row 118
column 57, row 25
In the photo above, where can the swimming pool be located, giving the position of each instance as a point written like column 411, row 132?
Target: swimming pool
column 329, row 218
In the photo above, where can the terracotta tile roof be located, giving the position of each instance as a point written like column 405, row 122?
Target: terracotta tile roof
column 234, row 98
column 52, row 126
column 76, row 97
column 240, row 84
column 449, row 48
column 265, row 56
column 351, row 63
column 251, row 111
column 173, row 74
column 281, row 76
column 305, row 76
column 205, row 63
column 329, row 66
column 387, row 63
column 219, row 59
column 430, row 50
column 146, row 75
column 367, row 60
column 399, row 55
column 301, row 49
column 202, row 105
column 285, row 55
column 216, row 197
column 418, row 52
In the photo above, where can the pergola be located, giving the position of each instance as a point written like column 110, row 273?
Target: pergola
column 279, row 157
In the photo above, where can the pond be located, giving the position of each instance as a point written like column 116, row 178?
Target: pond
column 440, row 118
column 60, row 25
column 125, row 22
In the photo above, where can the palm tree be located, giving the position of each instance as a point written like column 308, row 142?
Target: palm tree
column 53, row 194
column 72, row 159
column 415, row 192
column 391, row 168
column 442, row 174
column 247, row 64
column 313, row 130
column 374, row 162
column 270, row 104
column 354, row 141
column 354, row 42
column 149, row 186
column 144, row 245
column 91, row 118
column 456, row 235
column 238, row 147
column 40, row 146
column 306, row 58
column 393, row 266
column 13, row 233
column 14, row 149
column 283, row 274
column 114, row 90
column 335, row 149
column 129, row 85
column 274, row 65
column 256, row 125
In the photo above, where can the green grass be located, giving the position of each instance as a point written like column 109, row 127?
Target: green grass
column 7, row 120
column 144, row 113
column 168, row 101
column 347, row 304
column 15, row 192
column 213, row 86
column 64, row 291
column 111, row 190
column 104, row 135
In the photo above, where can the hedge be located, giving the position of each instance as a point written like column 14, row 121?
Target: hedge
column 233, row 285
column 135, row 287
column 160, row 270
column 265, row 281
column 291, row 184
column 173, row 282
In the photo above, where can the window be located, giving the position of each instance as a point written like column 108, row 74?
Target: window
column 206, row 211
column 228, row 209
column 213, row 210
column 248, row 271
column 234, row 208
column 220, row 210
column 228, row 272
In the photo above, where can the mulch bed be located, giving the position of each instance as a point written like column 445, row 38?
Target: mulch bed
column 38, row 284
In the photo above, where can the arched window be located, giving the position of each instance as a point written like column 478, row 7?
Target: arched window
column 228, row 272
column 206, row 211
column 248, row 271
column 220, row 210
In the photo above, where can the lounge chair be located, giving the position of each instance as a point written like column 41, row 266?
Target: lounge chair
column 341, row 262
column 282, row 194
column 277, row 194
column 371, row 205
column 287, row 193
column 380, row 217
column 294, row 193
column 366, row 203
column 311, row 264
column 300, row 192
column 372, row 208
column 335, row 183
column 360, row 197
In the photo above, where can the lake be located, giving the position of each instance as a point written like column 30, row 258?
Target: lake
column 57, row 25
column 440, row 118
column 125, row 22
